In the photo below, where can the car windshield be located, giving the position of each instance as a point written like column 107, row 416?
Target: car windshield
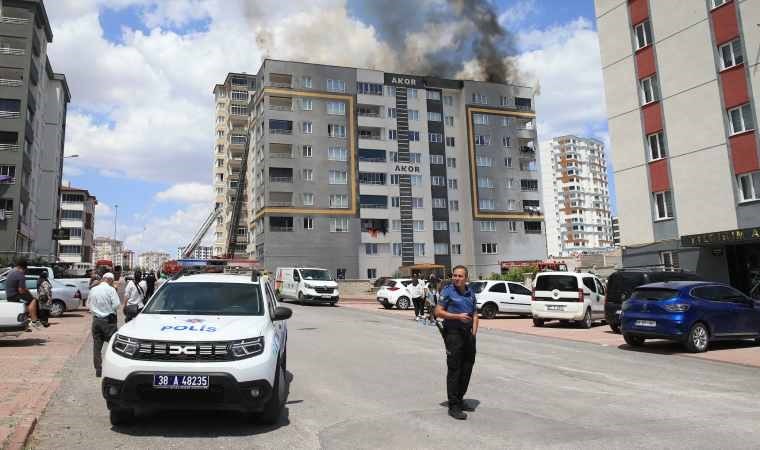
column 216, row 299
column 477, row 286
column 559, row 282
column 315, row 274
column 653, row 294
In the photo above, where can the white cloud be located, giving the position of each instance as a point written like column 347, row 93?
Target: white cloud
column 517, row 13
column 168, row 233
column 188, row 193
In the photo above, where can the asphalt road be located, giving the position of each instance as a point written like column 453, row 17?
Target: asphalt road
column 365, row 380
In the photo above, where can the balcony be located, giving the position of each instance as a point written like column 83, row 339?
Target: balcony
column 371, row 155
column 280, row 151
column 523, row 104
column 364, row 110
column 371, row 133
column 280, row 103
column 280, row 175
column 280, row 126
column 14, row 20
column 280, row 224
column 280, row 80
column 11, row 51
column 373, row 201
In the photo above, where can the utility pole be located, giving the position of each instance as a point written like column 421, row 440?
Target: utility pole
column 115, row 218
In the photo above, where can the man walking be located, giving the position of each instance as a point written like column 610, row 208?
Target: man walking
column 16, row 291
column 458, row 310
column 417, row 292
column 104, row 303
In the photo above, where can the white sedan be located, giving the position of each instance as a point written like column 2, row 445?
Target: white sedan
column 13, row 319
column 65, row 296
column 493, row 297
column 395, row 293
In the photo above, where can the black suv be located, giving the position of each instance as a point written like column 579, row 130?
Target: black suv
column 621, row 283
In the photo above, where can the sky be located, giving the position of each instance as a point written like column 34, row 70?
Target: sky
column 141, row 74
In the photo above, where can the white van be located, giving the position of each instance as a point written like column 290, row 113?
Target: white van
column 306, row 284
column 567, row 296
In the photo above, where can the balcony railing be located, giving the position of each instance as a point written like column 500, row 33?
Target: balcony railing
column 280, row 131
column 373, row 137
column 9, row 114
column 10, row 83
column 280, row 179
column 373, row 206
column 14, row 20
column 281, row 107
column 365, row 159
column 368, row 114
column 281, row 155
column 280, row 228
column 9, row 147
column 12, row 51
column 280, row 204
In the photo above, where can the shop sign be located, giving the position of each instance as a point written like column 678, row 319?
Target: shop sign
column 403, row 80
column 404, row 168
column 721, row 237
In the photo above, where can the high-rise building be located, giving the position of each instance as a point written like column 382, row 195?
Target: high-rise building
column 78, row 217
column 200, row 252
column 128, row 258
column 33, row 103
column 152, row 260
column 110, row 249
column 576, row 196
column 681, row 91
column 616, row 231
column 361, row 171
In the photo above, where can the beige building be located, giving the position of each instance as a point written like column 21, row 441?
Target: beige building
column 152, row 260
column 78, row 217
column 110, row 249
column 680, row 84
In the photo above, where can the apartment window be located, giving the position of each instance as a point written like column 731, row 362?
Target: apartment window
column 456, row 249
column 417, row 203
column 395, row 178
column 416, row 180
column 308, row 223
column 395, row 202
column 528, row 185
column 456, row 227
column 306, row 82
column 479, row 99
column 440, row 225
column 336, row 85
column 339, row 225
column 487, row 204
column 307, row 151
column 70, row 249
column 506, row 142
column 307, row 104
column 338, row 177
column 371, row 273
column 450, row 141
column 337, row 154
column 453, row 184
column 411, row 93
column 414, row 114
column 434, row 116
column 489, row 248
column 396, row 249
column 219, row 119
column 663, row 205
column 390, row 91
column 448, row 100
column 306, row 127
column 308, row 175
column 484, row 161
column 392, row 135
column 438, row 180
column 435, row 138
column 643, row 33
column 441, row 248
column 434, row 95
column 370, row 249
column 308, row 199
column 667, row 260
column 418, row 225
column 731, row 54
column 749, row 186
column 419, row 249
column 392, row 113
column 449, row 121
column 451, row 162
column 7, row 205
column 376, row 178
column 532, row 227
column 485, row 182
column 657, row 148
column 453, row 205
column 415, row 157
column 369, row 88
column 650, row 90
column 436, row 159
column 504, row 100
column 439, row 203
column 336, row 131
column 239, row 95
column 487, row 225
column 512, row 226
column 414, row 136
column 741, row 119
column 510, row 183
column 511, row 205
column 716, row 3
column 220, row 134
column 395, row 224
column 336, row 108
column 480, row 119
column 482, row 139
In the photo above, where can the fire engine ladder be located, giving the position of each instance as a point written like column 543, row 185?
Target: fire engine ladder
column 237, row 207
column 190, row 248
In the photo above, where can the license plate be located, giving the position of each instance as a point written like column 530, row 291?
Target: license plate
column 555, row 307
column 645, row 323
column 176, row 381
column 326, row 296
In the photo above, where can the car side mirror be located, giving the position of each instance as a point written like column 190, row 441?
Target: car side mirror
column 282, row 313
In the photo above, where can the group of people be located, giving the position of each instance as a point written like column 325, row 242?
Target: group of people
column 37, row 308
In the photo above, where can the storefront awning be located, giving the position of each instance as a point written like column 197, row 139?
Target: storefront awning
column 719, row 238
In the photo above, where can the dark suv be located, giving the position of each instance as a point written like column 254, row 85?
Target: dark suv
column 621, row 284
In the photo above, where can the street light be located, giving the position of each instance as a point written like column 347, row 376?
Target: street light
column 115, row 217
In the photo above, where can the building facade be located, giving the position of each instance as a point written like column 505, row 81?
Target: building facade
column 361, row 171
column 110, row 249
column 576, row 196
column 77, row 215
column 200, row 252
column 153, row 260
column 681, row 99
column 616, row 231
column 128, row 258
column 33, row 103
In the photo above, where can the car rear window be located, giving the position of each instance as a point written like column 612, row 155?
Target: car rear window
column 559, row 282
column 477, row 286
column 390, row 283
column 654, row 294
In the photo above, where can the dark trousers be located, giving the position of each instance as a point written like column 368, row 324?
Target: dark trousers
column 419, row 306
column 460, row 357
column 102, row 331
column 130, row 312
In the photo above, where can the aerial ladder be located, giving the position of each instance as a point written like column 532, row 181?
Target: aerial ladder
column 198, row 236
column 237, row 206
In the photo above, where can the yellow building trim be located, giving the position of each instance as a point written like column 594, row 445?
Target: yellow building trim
column 310, row 212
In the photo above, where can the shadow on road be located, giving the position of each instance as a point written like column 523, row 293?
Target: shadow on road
column 471, row 402
column 204, row 424
column 22, row 342
column 70, row 314
column 674, row 348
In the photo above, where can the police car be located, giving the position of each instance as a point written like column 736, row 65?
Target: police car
column 202, row 342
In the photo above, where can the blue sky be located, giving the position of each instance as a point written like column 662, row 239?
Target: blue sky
column 141, row 74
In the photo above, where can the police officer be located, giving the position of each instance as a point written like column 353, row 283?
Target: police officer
column 458, row 310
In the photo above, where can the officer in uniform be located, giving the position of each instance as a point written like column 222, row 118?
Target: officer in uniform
column 458, row 310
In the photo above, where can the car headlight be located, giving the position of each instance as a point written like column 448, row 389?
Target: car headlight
column 308, row 286
column 677, row 307
column 125, row 346
column 247, row 347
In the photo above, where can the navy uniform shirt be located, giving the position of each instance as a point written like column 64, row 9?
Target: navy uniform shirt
column 455, row 302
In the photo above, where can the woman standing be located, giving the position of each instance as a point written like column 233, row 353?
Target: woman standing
column 44, row 298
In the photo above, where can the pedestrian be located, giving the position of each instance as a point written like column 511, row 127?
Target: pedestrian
column 44, row 298
column 417, row 292
column 16, row 291
column 431, row 299
column 456, row 307
column 104, row 303
column 134, row 296
column 150, row 282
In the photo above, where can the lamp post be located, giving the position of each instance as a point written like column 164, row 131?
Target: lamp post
column 115, row 219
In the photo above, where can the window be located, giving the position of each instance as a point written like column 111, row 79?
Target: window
column 439, row 203
column 504, row 100
column 436, row 159
column 434, row 95
column 338, row 201
column 307, row 151
column 308, row 175
column 511, row 205
column 480, row 119
column 528, row 185
column 419, row 249
column 449, row 121
column 306, row 82
column 337, row 154
column 435, row 138
column 456, row 227
column 414, row 114
column 396, row 249
column 731, row 54
column 749, row 186
column 395, row 178
column 7, row 205
column 370, row 249
column 417, row 203
column 369, row 88
column 451, row 162
column 450, row 141
column 307, row 104
column 741, row 119
column 239, row 95
column 339, row 225
column 489, row 248
column 485, row 182
column 448, row 100
column 650, row 91
column 308, row 199
column 338, row 177
column 434, row 116
column 487, row 203
column 441, row 248
column 336, row 131
column 418, row 225
column 308, row 223
column 656, row 146
column 479, row 99
column 453, row 184
column 484, row 161
column 336, row 85
column 75, row 232
column 395, row 202
column 456, row 249
column 416, row 180
column 643, row 33
column 510, row 183
column 512, row 226
column 390, row 91
column 716, row 3
column 666, row 259
column 395, row 224
column 392, row 112
column 482, row 140
column 392, row 135
column 506, row 142
column 440, row 225
column 414, row 136
column 371, row 273
column 487, row 225
column 532, row 227
column 663, row 205
column 499, row 287
column 411, row 93
column 307, row 128
column 336, row 108
column 438, row 180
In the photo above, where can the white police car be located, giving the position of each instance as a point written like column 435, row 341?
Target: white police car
column 203, row 342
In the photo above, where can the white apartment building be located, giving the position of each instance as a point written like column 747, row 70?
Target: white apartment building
column 153, row 260
column 576, row 196
column 110, row 249
column 200, row 252
column 77, row 216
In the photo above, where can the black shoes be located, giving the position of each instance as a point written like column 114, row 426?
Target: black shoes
column 466, row 407
column 98, row 373
column 457, row 413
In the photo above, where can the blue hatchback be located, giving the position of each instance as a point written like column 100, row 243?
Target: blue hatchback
column 694, row 313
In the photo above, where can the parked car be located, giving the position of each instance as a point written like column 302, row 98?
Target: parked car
column 32, row 270
column 622, row 283
column 567, row 296
column 494, row 296
column 65, row 296
column 693, row 313
column 308, row 284
column 395, row 293
column 380, row 281
column 13, row 319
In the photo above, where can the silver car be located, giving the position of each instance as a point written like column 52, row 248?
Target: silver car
column 65, row 296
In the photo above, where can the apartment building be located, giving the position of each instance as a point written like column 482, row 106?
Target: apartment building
column 33, row 101
column 362, row 172
column 153, row 260
column 615, row 231
column 110, row 249
column 576, row 196
column 128, row 259
column 77, row 212
column 200, row 252
column 682, row 85
column 230, row 148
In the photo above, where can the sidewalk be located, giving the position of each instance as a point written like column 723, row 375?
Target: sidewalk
column 29, row 370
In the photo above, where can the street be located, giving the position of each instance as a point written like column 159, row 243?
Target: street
column 360, row 379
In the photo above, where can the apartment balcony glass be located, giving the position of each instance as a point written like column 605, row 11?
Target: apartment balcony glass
column 10, row 108
column 12, row 46
column 372, row 133
column 280, row 103
column 523, row 104
column 376, row 178
column 277, row 126
column 281, row 151
column 373, row 201
column 280, row 175
column 11, row 77
column 280, row 224
column 527, row 146
column 369, row 110
column 280, row 80
column 9, row 141
column 371, row 155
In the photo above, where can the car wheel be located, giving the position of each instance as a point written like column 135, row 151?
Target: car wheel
column 538, row 322
column 57, row 308
column 121, row 416
column 615, row 328
column 300, row 298
column 587, row 322
column 633, row 341
column 403, row 303
column 273, row 407
column 489, row 311
column 698, row 338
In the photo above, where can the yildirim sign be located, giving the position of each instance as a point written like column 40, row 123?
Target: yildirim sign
column 742, row 236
